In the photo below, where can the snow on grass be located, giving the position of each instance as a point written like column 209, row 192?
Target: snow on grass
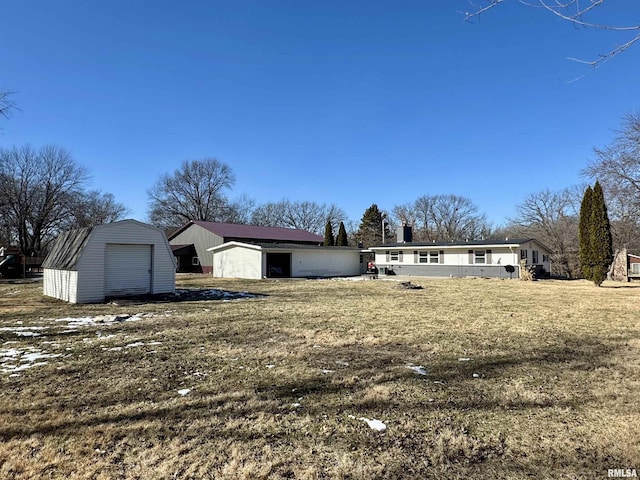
column 76, row 322
column 13, row 360
column 419, row 369
column 184, row 391
column 374, row 424
column 464, row 359
column 24, row 331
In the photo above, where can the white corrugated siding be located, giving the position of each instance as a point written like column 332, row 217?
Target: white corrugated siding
column 61, row 284
column 92, row 269
column 128, row 269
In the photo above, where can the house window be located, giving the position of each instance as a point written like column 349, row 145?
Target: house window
column 479, row 256
column 534, row 256
column 395, row 256
column 431, row 256
column 523, row 254
column 195, row 261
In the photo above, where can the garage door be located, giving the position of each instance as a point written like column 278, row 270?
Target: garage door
column 128, row 269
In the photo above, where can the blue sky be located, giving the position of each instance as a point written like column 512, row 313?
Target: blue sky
column 350, row 102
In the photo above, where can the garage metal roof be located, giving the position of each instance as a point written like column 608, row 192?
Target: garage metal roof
column 254, row 232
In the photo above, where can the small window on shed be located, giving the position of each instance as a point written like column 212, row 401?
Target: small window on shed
column 480, row 256
column 523, row 254
column 195, row 261
column 534, row 256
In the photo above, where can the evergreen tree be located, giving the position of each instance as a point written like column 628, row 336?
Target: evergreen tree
column 342, row 240
column 328, row 235
column 601, row 242
column 370, row 230
column 584, row 233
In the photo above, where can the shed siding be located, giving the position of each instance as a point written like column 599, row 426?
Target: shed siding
column 325, row 263
column 201, row 238
column 91, row 267
column 61, row 284
column 237, row 262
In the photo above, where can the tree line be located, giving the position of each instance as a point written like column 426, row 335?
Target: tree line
column 44, row 191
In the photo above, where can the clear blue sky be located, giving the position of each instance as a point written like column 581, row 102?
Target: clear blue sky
column 346, row 102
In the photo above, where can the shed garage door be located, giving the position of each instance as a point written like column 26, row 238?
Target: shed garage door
column 128, row 269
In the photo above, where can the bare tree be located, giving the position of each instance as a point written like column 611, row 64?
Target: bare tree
column 240, row 210
column 578, row 13
column 195, row 191
column 304, row 215
column 6, row 104
column 270, row 214
column 443, row 218
column 617, row 168
column 95, row 208
column 552, row 218
column 37, row 191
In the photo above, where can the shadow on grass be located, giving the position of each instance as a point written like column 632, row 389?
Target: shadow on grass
column 183, row 295
column 449, row 385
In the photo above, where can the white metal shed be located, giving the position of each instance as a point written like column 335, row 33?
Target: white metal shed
column 115, row 259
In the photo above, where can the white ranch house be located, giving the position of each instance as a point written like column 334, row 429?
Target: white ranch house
column 486, row 258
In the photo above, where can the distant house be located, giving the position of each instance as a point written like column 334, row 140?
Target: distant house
column 190, row 242
column 281, row 260
column 626, row 266
column 115, row 259
column 485, row 258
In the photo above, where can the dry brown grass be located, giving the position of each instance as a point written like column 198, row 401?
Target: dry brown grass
column 279, row 383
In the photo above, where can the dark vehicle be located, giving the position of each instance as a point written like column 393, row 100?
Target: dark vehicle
column 10, row 266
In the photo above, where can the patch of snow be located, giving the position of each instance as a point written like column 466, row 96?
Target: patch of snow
column 476, row 375
column 340, row 362
column 270, row 365
column 18, row 360
column 464, row 359
column 296, row 405
column 419, row 369
column 326, row 370
column 24, row 331
column 374, row 424
column 75, row 322
column 184, row 391
column 135, row 344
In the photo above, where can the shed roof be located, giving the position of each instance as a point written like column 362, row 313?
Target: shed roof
column 66, row 249
column 256, row 232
